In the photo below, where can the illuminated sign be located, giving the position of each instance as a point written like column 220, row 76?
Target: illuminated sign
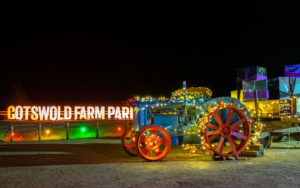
column 68, row 113
column 285, row 107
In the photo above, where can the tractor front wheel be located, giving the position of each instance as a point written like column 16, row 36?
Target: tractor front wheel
column 153, row 143
column 129, row 142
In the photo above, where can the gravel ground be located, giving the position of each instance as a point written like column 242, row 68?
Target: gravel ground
column 278, row 168
column 71, row 141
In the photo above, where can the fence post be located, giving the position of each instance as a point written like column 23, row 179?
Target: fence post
column 40, row 130
column 11, row 132
column 67, row 130
column 97, row 133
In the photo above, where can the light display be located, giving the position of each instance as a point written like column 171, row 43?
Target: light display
column 66, row 113
column 119, row 128
column 83, row 129
column 47, row 131
column 285, row 107
column 298, row 106
column 267, row 109
column 225, row 123
column 28, row 131
column 193, row 92
column 190, row 113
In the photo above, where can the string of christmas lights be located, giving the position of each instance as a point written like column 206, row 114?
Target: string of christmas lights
column 193, row 93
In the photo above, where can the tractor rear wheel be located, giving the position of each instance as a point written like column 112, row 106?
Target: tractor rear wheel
column 228, row 124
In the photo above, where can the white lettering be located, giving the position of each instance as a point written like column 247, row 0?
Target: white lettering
column 68, row 112
column 76, row 113
column 90, row 112
column 44, row 112
column 19, row 112
column 111, row 111
column 118, row 113
column 53, row 113
column 99, row 114
column 125, row 113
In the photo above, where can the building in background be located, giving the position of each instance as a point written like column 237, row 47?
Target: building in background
column 292, row 71
column 277, row 97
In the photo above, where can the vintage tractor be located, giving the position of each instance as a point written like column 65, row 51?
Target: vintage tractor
column 223, row 124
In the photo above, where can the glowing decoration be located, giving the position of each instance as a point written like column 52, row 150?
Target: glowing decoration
column 58, row 113
column 193, row 93
column 267, row 109
column 47, row 131
column 236, row 129
column 119, row 129
column 192, row 149
column 221, row 123
column 83, row 129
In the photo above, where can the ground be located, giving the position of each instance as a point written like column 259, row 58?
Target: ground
column 106, row 165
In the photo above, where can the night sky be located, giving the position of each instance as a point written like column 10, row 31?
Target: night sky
column 88, row 52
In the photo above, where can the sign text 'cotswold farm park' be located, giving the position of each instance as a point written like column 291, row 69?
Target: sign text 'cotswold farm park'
column 65, row 113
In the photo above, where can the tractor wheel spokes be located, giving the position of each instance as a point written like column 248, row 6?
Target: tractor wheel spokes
column 153, row 134
column 230, row 115
column 157, row 152
column 145, row 151
column 218, row 118
column 232, row 144
column 151, row 149
column 239, row 135
column 237, row 123
column 213, row 132
column 212, row 126
column 131, row 144
column 128, row 142
column 212, row 138
column 160, row 141
column 143, row 139
column 220, row 145
column 237, row 128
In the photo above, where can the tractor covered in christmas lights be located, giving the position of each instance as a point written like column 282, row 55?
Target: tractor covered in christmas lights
column 223, row 124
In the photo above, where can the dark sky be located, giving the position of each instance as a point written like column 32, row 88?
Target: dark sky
column 88, row 52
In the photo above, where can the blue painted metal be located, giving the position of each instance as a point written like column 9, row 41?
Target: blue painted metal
column 184, row 112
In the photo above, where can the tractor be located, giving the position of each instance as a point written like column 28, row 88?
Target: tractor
column 223, row 124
